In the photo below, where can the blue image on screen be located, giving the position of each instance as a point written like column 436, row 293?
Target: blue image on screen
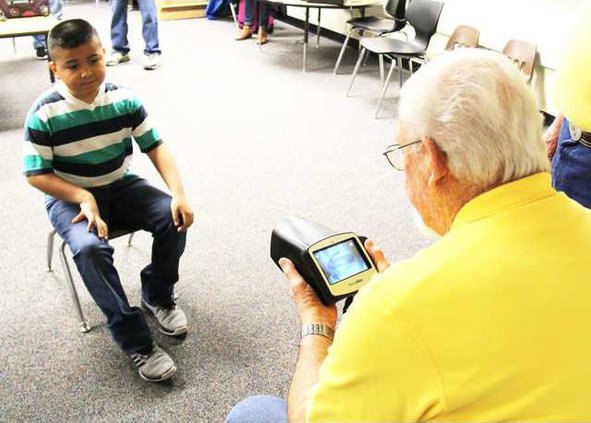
column 341, row 261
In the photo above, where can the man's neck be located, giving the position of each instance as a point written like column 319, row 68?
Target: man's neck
column 451, row 197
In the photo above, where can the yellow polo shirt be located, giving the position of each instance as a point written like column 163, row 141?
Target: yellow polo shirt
column 493, row 322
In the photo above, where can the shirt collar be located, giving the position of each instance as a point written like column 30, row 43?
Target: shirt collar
column 67, row 94
column 505, row 197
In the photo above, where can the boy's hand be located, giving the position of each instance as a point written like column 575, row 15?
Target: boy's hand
column 89, row 211
column 182, row 213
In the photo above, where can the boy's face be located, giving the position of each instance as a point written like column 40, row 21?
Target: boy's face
column 82, row 68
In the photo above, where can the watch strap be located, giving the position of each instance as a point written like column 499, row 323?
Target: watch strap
column 318, row 329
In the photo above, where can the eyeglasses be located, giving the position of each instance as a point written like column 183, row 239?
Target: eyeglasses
column 395, row 156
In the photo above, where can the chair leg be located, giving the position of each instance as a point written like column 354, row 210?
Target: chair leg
column 342, row 52
column 365, row 59
column 84, row 326
column 381, row 59
column 130, row 238
column 359, row 60
column 233, row 10
column 50, row 239
column 384, row 89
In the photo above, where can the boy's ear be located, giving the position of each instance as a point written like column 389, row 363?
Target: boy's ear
column 52, row 67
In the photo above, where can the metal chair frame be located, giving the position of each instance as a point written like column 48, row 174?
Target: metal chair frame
column 398, row 22
column 84, row 326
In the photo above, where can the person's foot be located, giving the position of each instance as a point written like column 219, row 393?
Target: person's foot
column 151, row 61
column 172, row 320
column 155, row 366
column 245, row 34
column 41, row 53
column 263, row 38
column 117, row 57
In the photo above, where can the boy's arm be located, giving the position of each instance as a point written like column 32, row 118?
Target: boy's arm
column 182, row 213
column 55, row 186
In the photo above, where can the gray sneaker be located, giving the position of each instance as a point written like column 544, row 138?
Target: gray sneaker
column 117, row 57
column 152, row 61
column 171, row 319
column 155, row 366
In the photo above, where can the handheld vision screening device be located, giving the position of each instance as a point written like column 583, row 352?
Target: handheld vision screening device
column 335, row 264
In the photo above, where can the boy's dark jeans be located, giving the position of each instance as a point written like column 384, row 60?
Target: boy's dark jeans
column 133, row 203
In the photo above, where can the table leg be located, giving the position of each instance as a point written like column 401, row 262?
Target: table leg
column 306, row 30
column 318, row 29
column 261, row 2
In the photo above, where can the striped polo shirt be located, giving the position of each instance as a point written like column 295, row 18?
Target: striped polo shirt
column 88, row 145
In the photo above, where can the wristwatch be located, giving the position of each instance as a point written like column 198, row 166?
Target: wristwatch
column 318, row 329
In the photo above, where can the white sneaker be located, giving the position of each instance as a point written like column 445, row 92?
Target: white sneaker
column 152, row 61
column 117, row 57
column 155, row 366
column 172, row 320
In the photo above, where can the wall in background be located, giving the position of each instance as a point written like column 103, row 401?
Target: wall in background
column 541, row 22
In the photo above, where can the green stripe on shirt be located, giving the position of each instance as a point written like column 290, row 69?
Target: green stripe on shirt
column 147, row 139
column 83, row 117
column 36, row 162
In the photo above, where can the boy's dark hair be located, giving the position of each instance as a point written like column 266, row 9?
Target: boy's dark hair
column 70, row 34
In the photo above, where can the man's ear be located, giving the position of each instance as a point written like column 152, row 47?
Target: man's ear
column 438, row 160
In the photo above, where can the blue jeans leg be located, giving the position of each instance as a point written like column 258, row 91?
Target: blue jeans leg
column 94, row 260
column 56, row 8
column 149, row 26
column 137, row 204
column 119, row 27
column 259, row 409
column 249, row 13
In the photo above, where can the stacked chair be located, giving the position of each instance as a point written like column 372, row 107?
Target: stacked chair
column 423, row 16
column 523, row 54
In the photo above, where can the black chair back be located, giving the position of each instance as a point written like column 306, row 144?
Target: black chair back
column 397, row 10
column 424, row 15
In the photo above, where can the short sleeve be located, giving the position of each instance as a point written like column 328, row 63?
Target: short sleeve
column 143, row 133
column 37, row 149
column 376, row 370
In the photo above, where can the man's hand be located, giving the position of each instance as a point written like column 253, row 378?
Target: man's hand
column 377, row 255
column 310, row 308
column 182, row 213
column 89, row 211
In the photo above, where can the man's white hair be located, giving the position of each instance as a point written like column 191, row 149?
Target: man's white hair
column 476, row 106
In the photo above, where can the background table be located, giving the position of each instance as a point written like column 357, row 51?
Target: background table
column 352, row 4
column 22, row 27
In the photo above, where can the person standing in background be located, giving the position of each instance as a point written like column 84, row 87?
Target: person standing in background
column 569, row 138
column 119, row 29
column 56, row 8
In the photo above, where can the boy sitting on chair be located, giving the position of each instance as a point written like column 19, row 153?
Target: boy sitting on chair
column 78, row 151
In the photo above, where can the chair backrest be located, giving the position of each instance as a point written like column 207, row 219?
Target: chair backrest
column 424, row 15
column 523, row 54
column 397, row 10
column 463, row 36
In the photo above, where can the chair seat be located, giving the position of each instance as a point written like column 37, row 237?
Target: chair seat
column 374, row 24
column 117, row 232
column 391, row 46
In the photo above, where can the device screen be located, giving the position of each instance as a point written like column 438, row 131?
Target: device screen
column 341, row 261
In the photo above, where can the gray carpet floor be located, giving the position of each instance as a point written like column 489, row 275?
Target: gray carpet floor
column 256, row 140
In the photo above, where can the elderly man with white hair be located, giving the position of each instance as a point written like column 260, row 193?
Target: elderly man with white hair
column 492, row 321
